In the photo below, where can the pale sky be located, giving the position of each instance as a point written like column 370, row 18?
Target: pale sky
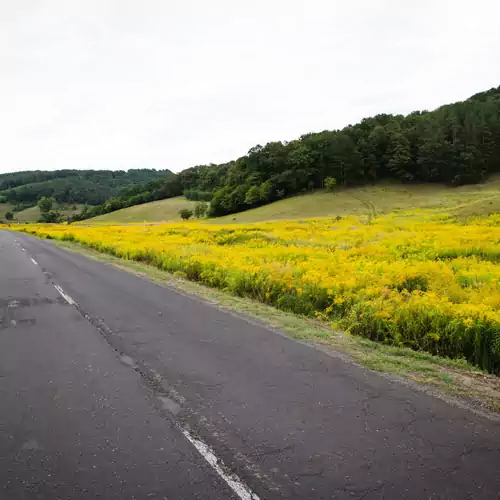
column 121, row 84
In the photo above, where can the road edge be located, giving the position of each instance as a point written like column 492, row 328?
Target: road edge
column 454, row 382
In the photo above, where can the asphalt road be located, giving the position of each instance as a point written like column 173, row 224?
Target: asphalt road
column 114, row 387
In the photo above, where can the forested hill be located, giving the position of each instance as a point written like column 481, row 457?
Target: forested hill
column 91, row 187
column 455, row 144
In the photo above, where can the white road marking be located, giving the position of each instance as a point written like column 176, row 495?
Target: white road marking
column 233, row 481
column 64, row 295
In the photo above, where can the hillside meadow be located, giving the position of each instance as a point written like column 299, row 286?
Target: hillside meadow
column 364, row 202
column 412, row 279
column 155, row 211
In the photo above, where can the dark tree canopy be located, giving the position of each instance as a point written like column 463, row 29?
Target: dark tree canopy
column 90, row 187
column 45, row 204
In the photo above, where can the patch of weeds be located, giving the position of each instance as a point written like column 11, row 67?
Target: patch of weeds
column 448, row 379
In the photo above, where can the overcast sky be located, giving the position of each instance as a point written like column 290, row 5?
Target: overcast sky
column 173, row 83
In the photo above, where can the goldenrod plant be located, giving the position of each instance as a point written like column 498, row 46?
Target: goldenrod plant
column 406, row 279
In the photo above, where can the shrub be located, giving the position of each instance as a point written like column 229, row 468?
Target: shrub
column 330, row 184
column 185, row 213
column 200, row 209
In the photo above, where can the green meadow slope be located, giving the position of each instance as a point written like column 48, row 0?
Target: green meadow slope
column 368, row 201
column 156, row 211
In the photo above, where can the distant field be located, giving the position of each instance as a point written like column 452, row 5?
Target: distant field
column 32, row 214
column 364, row 202
column 464, row 201
column 156, row 211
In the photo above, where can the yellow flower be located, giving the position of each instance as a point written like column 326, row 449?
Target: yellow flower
column 402, row 268
column 468, row 322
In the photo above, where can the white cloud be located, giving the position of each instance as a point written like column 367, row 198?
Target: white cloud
column 171, row 84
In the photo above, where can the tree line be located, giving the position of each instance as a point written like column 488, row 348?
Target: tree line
column 91, row 187
column 455, row 144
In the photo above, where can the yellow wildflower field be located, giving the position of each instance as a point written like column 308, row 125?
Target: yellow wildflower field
column 412, row 281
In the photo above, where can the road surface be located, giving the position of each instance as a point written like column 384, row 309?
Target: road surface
column 114, row 387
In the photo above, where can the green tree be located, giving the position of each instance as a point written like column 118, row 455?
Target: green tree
column 185, row 213
column 399, row 156
column 200, row 209
column 331, row 184
column 252, row 196
column 45, row 204
column 266, row 190
column 9, row 216
column 52, row 217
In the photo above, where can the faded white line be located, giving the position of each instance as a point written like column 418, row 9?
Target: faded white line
column 233, row 481
column 64, row 295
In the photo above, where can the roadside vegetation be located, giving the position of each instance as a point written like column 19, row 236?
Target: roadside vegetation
column 416, row 279
column 455, row 381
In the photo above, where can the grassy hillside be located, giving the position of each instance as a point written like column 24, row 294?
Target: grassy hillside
column 156, row 211
column 464, row 201
column 4, row 208
column 371, row 201
column 32, row 214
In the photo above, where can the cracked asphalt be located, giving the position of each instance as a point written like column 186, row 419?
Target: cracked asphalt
column 94, row 397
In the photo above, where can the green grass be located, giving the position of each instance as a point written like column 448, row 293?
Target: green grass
column 4, row 208
column 32, row 214
column 156, row 211
column 364, row 202
column 370, row 201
